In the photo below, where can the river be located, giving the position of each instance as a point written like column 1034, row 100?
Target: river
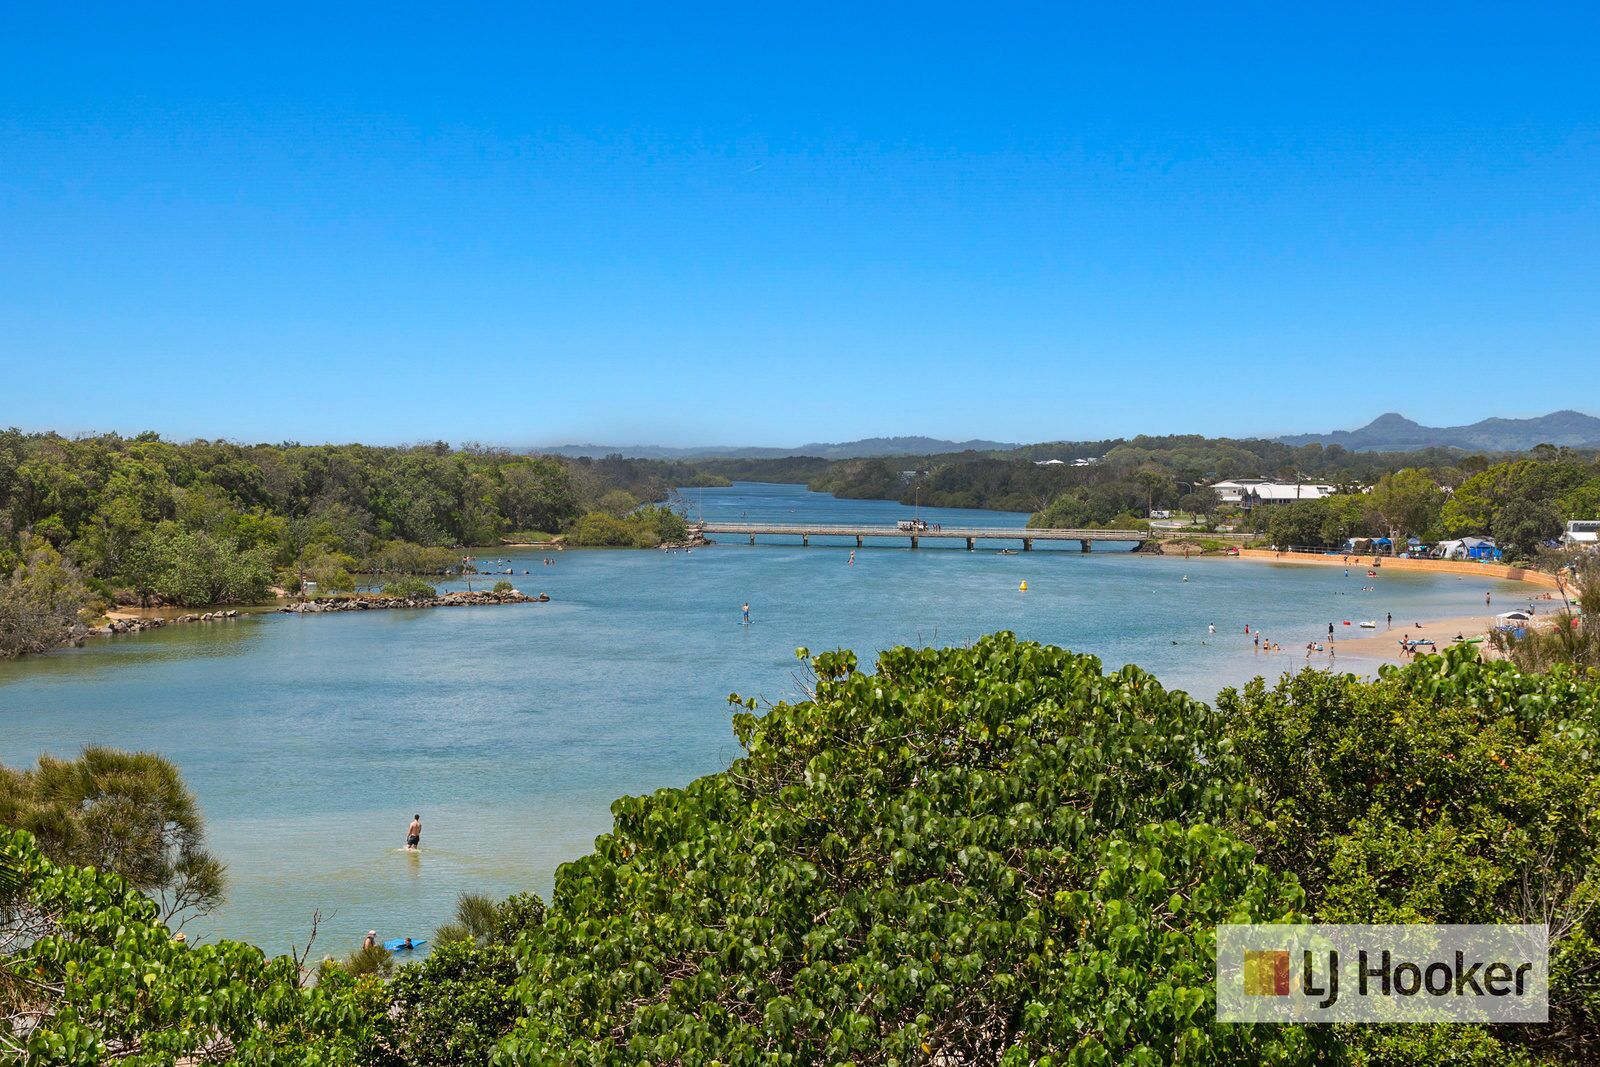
column 312, row 740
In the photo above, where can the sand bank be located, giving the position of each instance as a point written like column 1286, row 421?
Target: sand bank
column 1493, row 571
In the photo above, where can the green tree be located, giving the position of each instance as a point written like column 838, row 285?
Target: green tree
column 1522, row 526
column 196, row 569
column 1404, row 503
column 617, row 503
column 537, row 495
column 331, row 571
column 1157, row 483
column 1296, row 524
column 129, row 813
column 599, row 530
column 40, row 601
column 1204, row 501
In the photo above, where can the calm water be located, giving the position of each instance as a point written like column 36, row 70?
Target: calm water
column 311, row 741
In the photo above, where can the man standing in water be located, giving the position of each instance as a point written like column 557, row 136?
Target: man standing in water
column 747, row 613
column 414, row 833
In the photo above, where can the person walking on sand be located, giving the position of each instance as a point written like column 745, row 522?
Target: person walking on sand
column 1388, row 620
column 414, row 833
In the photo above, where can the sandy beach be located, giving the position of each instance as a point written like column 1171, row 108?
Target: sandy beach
column 1382, row 645
column 1384, row 642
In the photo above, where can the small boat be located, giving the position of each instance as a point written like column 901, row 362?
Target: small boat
column 1369, row 624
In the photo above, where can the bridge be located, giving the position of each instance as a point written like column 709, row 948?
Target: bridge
column 970, row 534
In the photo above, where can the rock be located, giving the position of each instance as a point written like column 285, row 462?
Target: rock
column 380, row 603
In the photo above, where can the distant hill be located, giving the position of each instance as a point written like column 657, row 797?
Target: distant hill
column 1396, row 433
column 871, row 446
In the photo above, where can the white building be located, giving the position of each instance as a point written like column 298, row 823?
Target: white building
column 1582, row 532
column 1249, row 491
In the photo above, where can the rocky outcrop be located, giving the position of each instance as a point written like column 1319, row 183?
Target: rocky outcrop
column 1177, row 548
column 139, row 625
column 695, row 538
column 321, row 605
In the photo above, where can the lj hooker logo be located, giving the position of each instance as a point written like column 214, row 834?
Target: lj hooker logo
column 1266, row 974
column 1269, row 973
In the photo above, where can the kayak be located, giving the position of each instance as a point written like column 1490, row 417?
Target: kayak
column 397, row 944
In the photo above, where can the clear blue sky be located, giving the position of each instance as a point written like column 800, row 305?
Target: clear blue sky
column 769, row 224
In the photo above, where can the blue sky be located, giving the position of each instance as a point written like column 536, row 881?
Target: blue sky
column 769, row 224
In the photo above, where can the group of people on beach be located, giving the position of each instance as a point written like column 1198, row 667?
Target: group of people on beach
column 1262, row 644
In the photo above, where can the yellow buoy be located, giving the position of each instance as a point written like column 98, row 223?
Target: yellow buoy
column 1023, row 587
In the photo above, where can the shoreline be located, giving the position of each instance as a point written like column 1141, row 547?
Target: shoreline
column 1462, row 568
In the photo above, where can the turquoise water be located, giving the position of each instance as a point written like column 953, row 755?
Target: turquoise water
column 311, row 740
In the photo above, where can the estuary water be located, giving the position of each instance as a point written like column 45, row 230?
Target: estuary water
column 312, row 740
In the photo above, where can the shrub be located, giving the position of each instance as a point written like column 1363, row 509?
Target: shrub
column 599, row 530
column 101, row 979
column 40, row 600
column 973, row 855
column 1447, row 791
column 410, row 588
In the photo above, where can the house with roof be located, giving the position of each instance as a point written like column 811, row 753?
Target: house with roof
column 1581, row 532
column 1247, row 492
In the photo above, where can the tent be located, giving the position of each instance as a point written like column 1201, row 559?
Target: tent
column 1480, row 548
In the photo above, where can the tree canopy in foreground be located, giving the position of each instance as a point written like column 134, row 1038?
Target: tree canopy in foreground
column 998, row 854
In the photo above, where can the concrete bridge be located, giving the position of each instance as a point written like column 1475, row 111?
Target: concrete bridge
column 970, row 534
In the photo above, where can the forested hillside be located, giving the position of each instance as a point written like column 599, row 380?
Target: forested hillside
column 209, row 522
column 1522, row 501
column 1118, row 476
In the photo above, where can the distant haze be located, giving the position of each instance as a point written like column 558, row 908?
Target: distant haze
column 1387, row 433
column 871, row 446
